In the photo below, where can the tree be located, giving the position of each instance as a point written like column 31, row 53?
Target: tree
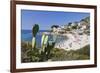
column 74, row 27
column 34, row 52
column 56, row 26
column 35, row 29
column 69, row 24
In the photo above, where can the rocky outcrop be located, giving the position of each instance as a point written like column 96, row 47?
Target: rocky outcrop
column 72, row 42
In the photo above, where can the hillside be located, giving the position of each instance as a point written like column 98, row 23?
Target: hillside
column 76, row 37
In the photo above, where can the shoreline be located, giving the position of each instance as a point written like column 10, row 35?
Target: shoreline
column 70, row 42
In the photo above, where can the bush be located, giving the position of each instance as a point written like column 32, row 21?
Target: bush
column 53, row 54
column 80, row 54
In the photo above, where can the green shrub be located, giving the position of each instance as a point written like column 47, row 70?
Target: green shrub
column 80, row 54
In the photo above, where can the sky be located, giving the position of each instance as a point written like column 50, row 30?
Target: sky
column 45, row 19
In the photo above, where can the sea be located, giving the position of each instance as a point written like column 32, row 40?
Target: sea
column 26, row 35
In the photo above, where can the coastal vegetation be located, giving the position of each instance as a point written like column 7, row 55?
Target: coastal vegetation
column 33, row 54
column 48, row 52
column 53, row 54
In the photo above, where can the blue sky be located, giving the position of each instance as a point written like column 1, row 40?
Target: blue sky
column 45, row 19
